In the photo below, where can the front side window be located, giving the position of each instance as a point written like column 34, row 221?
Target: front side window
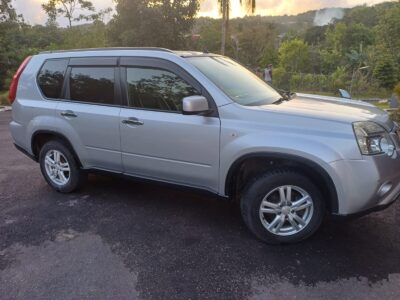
column 241, row 85
column 157, row 89
column 51, row 77
column 92, row 84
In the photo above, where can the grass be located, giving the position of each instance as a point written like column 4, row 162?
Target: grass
column 382, row 105
column 4, row 98
column 319, row 93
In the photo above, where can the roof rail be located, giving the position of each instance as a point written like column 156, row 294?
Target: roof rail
column 109, row 48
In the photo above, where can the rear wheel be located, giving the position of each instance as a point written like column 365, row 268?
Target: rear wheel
column 282, row 206
column 60, row 168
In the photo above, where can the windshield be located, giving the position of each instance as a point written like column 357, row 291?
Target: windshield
column 241, row 85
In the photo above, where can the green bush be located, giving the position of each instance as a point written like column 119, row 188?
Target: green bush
column 4, row 98
column 321, row 82
column 281, row 79
column 385, row 71
column 338, row 79
column 296, row 82
column 397, row 90
column 308, row 82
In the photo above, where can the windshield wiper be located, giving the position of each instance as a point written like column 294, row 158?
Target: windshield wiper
column 280, row 100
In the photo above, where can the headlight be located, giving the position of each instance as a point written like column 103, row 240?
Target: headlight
column 372, row 138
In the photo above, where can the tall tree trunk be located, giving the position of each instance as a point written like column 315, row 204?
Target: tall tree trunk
column 224, row 23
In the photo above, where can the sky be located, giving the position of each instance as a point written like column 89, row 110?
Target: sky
column 33, row 14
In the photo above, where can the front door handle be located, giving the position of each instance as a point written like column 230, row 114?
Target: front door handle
column 132, row 121
column 69, row 114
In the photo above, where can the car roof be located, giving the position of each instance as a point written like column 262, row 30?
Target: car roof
column 117, row 49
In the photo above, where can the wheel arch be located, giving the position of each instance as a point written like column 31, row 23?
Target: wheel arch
column 40, row 137
column 306, row 166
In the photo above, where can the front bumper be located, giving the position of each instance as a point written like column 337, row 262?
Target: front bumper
column 372, row 183
column 365, row 212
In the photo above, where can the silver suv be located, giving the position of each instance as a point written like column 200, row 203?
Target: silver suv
column 204, row 121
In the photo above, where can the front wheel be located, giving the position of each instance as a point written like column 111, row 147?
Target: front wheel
column 282, row 206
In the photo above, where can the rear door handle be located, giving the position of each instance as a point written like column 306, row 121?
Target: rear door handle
column 69, row 114
column 132, row 121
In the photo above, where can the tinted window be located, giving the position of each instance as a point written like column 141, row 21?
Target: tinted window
column 157, row 89
column 51, row 77
column 92, row 85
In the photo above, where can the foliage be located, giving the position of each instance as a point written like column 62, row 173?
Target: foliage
column 11, row 34
column 7, row 12
column 85, row 36
column 281, row 78
column 345, row 38
column 270, row 55
column 68, row 9
column 158, row 23
column 224, row 8
column 385, row 71
column 254, row 44
column 4, row 98
column 363, row 14
column 209, row 35
column 294, row 56
column 397, row 90
column 388, row 31
column 339, row 79
column 315, row 35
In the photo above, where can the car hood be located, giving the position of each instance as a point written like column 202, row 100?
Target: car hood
column 332, row 108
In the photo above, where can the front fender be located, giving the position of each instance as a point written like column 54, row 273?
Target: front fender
column 300, row 149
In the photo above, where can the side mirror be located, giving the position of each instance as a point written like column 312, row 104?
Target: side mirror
column 195, row 105
column 344, row 94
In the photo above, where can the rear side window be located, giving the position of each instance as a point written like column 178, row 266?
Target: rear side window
column 51, row 77
column 157, row 89
column 92, row 84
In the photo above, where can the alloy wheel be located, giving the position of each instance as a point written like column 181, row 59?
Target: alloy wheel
column 286, row 210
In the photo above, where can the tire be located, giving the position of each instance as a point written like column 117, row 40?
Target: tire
column 75, row 176
column 267, row 190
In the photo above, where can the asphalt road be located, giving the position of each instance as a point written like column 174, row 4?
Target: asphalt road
column 118, row 239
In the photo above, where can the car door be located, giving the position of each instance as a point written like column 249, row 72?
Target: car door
column 91, row 110
column 157, row 140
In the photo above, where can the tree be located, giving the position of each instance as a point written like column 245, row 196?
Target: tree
column 68, row 8
column 155, row 23
column 385, row 71
column 315, row 35
column 209, row 31
column 84, row 36
column 7, row 12
column 363, row 14
column 388, row 31
column 225, row 6
column 345, row 38
column 294, row 56
column 256, row 44
column 10, row 41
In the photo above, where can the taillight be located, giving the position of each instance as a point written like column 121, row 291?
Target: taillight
column 12, row 93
